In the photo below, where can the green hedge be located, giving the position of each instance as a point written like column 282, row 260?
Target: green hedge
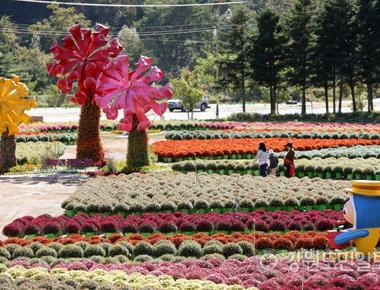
column 358, row 117
column 189, row 135
column 231, row 167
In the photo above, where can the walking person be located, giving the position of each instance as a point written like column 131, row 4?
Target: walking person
column 290, row 168
column 262, row 158
column 273, row 163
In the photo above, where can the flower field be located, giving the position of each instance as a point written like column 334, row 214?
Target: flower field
column 191, row 193
column 210, row 223
column 245, row 148
column 338, row 168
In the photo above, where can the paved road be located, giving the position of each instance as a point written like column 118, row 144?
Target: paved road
column 35, row 194
column 72, row 114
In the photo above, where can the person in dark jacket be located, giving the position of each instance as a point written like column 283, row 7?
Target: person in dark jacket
column 290, row 168
column 273, row 163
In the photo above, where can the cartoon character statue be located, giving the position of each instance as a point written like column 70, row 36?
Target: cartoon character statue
column 363, row 212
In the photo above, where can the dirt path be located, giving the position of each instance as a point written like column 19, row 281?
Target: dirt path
column 115, row 146
column 22, row 195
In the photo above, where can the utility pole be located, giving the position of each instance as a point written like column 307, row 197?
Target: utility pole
column 226, row 15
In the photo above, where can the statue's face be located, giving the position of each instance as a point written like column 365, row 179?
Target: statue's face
column 349, row 212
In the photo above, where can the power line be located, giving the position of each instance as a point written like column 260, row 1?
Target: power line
column 146, row 33
column 133, row 5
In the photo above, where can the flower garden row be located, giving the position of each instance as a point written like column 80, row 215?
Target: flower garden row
column 191, row 193
column 178, row 150
column 56, row 128
column 269, row 126
column 158, row 245
column 178, row 222
column 19, row 277
column 203, row 135
column 193, row 274
column 32, row 152
column 67, row 139
column 349, row 152
column 338, row 168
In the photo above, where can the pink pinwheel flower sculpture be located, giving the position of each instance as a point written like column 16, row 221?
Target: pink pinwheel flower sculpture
column 132, row 91
column 80, row 59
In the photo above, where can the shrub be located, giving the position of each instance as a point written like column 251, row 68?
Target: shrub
column 23, row 252
column 324, row 225
column 31, row 229
column 143, row 248
column 71, row 227
column 212, row 249
column 89, row 227
column 117, row 250
column 238, row 257
column 129, row 227
column 223, row 226
column 167, row 227
column 237, row 226
column 308, row 226
column 147, row 227
column 190, row 249
column 187, row 227
column 294, row 226
column 5, row 253
column 283, row 243
column 277, row 226
column 94, row 250
column 13, row 229
column 163, row 248
column 121, row 259
column 231, row 249
column 35, row 246
column 55, row 246
column 306, row 243
column 247, row 248
column 201, row 204
column 46, row 251
column 109, row 226
column 51, row 227
column 71, row 251
column 143, row 258
column 98, row 259
column 205, row 226
column 264, row 243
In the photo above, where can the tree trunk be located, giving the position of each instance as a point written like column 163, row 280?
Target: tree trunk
column 352, row 87
column 326, row 97
column 137, row 155
column 243, row 97
column 334, row 94
column 303, row 109
column 7, row 152
column 370, row 97
column 340, row 95
column 272, row 101
column 89, row 145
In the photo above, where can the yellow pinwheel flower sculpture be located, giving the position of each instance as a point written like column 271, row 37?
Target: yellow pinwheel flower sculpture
column 13, row 103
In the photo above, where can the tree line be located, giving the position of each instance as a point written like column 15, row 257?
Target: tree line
column 330, row 44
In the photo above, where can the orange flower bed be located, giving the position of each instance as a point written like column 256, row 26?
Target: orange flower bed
column 212, row 147
column 296, row 239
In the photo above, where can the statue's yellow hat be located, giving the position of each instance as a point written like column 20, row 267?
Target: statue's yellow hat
column 365, row 187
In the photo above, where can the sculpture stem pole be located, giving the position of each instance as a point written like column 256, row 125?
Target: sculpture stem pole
column 137, row 155
column 89, row 145
column 7, row 152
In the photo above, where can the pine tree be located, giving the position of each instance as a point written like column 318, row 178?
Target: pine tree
column 368, row 19
column 267, row 54
column 234, row 66
column 299, row 59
